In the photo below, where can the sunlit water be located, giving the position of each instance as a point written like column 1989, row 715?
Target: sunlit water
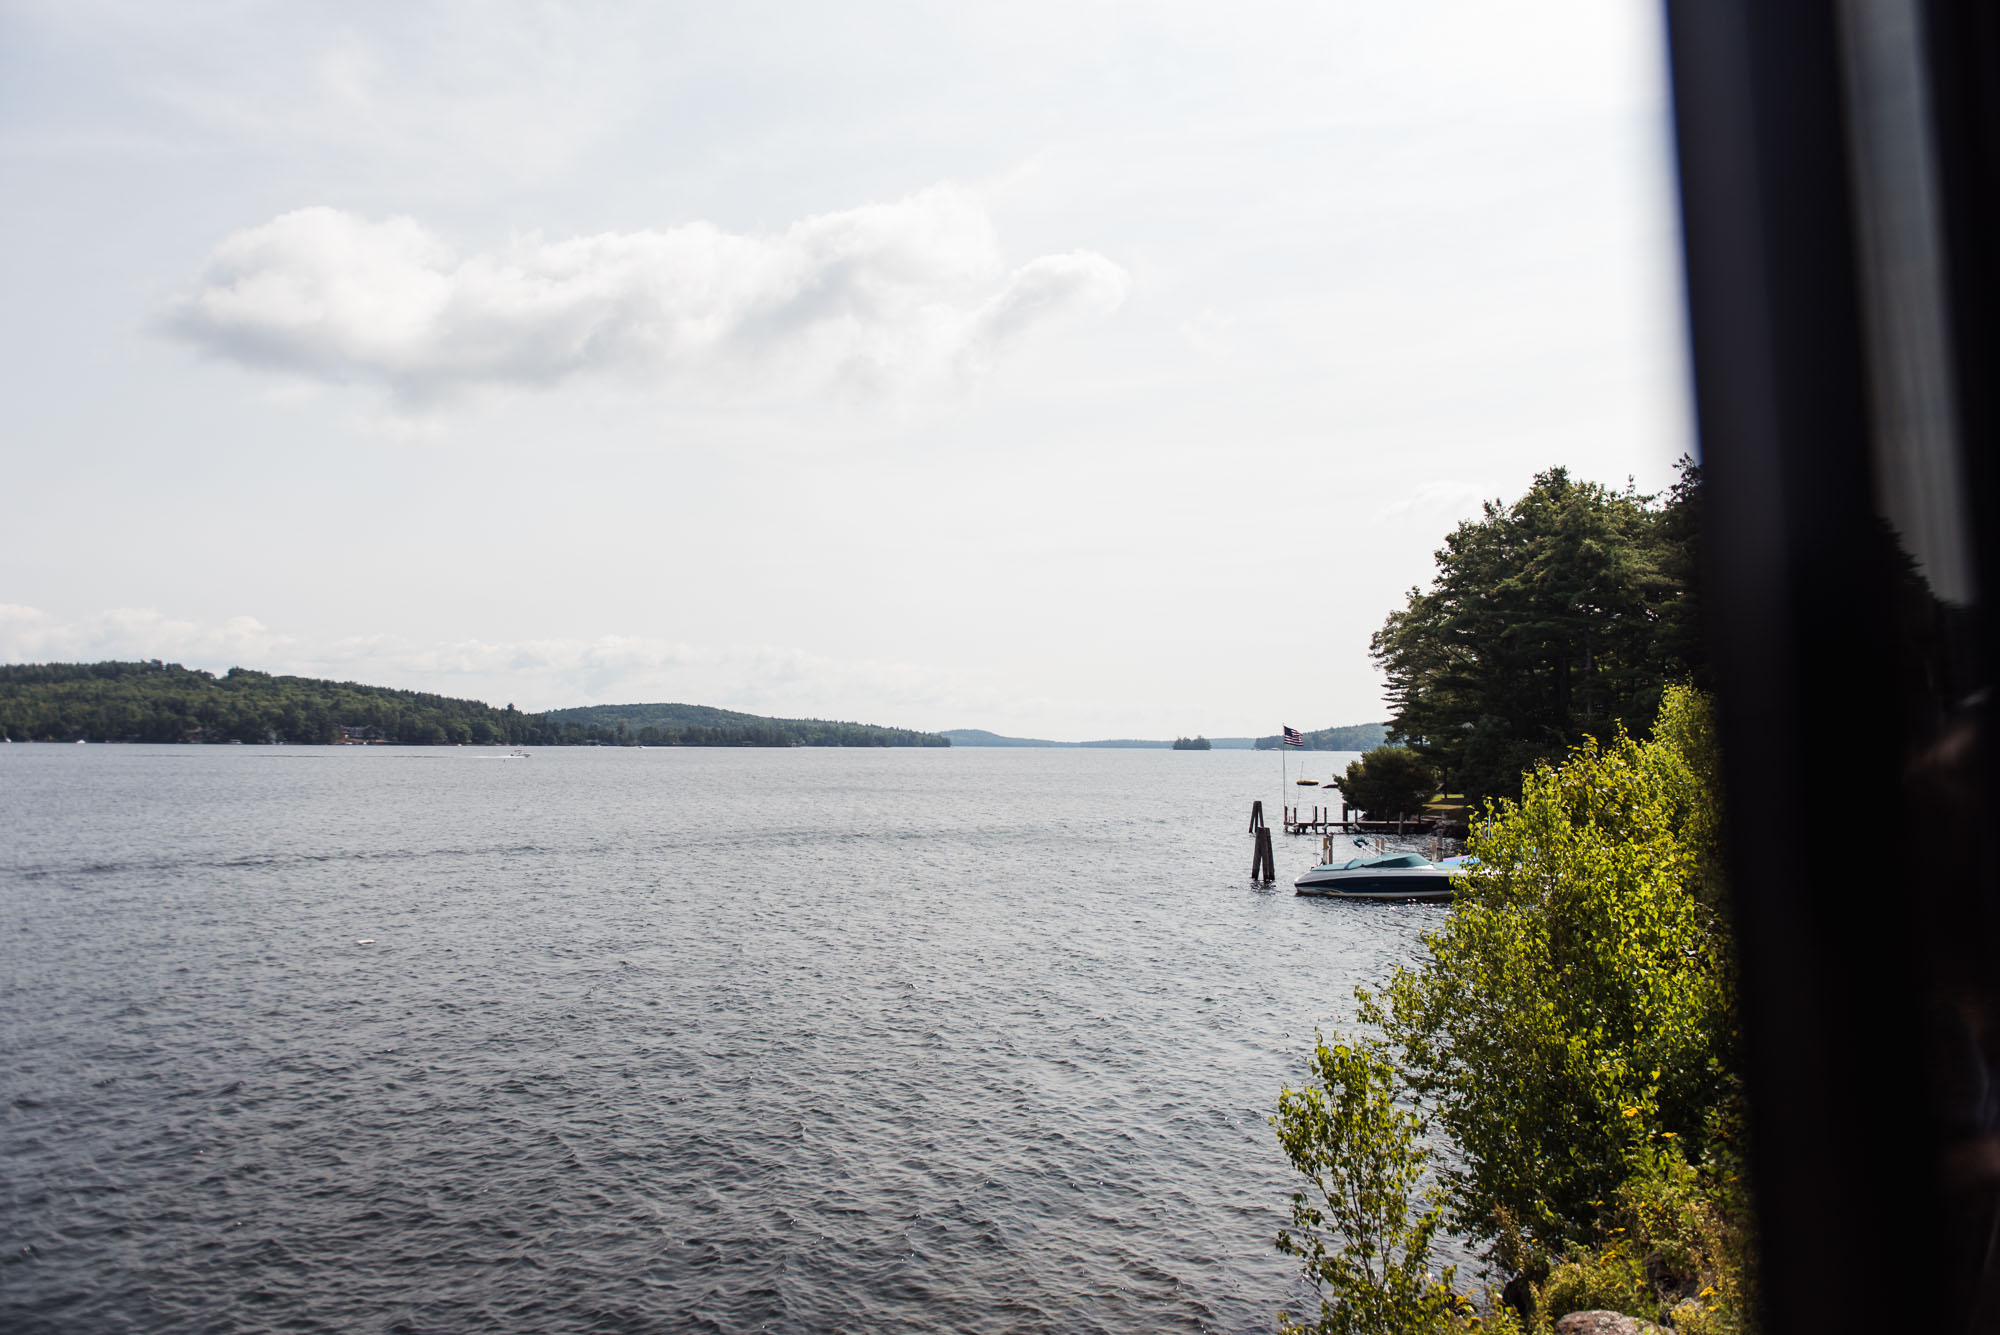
column 371, row 1039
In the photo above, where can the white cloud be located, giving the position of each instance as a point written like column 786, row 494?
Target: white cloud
column 885, row 294
column 29, row 635
column 1052, row 288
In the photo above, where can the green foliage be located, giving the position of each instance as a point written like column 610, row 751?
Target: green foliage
column 1364, row 1243
column 1672, row 1245
column 1195, row 743
column 1352, row 737
column 1570, row 1031
column 1388, row 782
column 1578, row 999
column 1611, row 1278
column 165, row 702
column 1685, row 728
column 1561, row 616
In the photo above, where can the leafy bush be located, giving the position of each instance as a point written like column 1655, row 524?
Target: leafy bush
column 1578, row 1000
column 1672, row 1247
column 1610, row 1279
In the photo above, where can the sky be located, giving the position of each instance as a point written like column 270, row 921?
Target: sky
column 1064, row 369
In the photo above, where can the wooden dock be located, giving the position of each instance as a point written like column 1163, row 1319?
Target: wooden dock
column 1314, row 820
column 1323, row 821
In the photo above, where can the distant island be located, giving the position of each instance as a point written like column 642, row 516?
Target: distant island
column 981, row 737
column 1353, row 737
column 165, row 702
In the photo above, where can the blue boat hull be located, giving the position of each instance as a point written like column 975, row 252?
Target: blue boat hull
column 1414, row 885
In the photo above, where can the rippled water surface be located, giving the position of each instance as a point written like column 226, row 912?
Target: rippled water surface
column 360, row 1039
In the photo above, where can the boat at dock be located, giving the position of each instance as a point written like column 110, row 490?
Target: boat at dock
column 1383, row 878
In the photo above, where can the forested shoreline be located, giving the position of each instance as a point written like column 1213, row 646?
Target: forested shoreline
column 703, row 725
column 1352, row 737
column 165, row 702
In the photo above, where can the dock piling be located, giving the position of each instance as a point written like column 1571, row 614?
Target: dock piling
column 1263, row 866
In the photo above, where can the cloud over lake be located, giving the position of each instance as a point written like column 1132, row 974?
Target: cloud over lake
column 875, row 297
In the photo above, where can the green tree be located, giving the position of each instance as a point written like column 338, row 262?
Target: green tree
column 1388, row 782
column 1561, row 616
column 1363, row 1228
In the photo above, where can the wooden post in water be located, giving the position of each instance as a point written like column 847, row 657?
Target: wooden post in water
column 1263, row 866
column 1256, row 817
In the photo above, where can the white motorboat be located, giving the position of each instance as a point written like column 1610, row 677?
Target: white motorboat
column 1383, row 878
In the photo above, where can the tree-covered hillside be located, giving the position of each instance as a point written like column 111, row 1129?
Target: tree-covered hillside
column 1353, row 737
column 701, row 725
column 165, row 702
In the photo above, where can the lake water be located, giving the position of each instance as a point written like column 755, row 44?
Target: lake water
column 374, row 1039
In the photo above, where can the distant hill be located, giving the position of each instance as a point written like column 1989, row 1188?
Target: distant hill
column 1353, row 737
column 165, row 702
column 701, row 725
column 981, row 737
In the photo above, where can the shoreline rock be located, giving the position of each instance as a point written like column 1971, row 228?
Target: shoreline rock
column 1606, row 1323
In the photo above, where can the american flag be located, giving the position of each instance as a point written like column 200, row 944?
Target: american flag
column 1293, row 737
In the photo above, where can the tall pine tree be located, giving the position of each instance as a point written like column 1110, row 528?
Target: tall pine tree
column 1563, row 615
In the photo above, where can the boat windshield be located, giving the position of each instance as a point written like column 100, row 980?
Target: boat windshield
column 1391, row 860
